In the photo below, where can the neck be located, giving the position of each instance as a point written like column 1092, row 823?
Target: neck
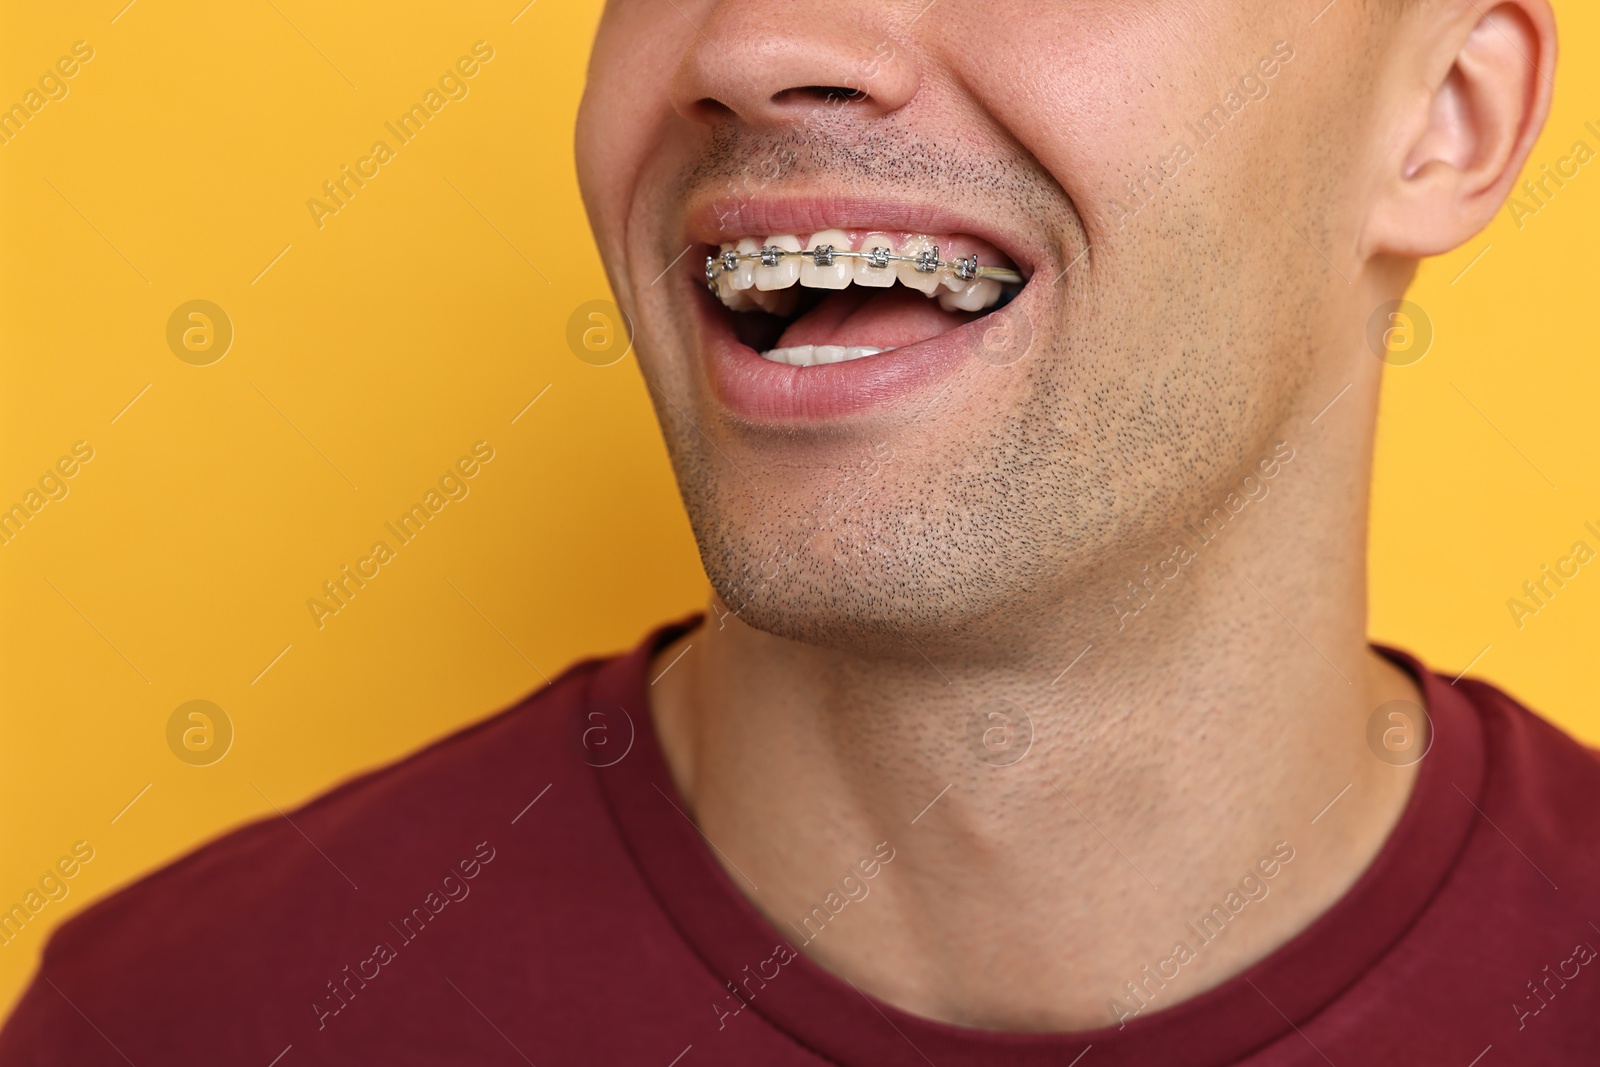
column 1062, row 816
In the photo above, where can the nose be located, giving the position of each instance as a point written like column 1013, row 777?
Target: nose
column 774, row 63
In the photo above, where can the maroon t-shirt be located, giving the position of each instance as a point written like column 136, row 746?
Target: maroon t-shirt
column 530, row 890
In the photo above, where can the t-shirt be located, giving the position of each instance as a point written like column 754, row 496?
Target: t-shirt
column 530, row 890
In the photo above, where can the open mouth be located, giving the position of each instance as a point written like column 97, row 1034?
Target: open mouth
column 837, row 295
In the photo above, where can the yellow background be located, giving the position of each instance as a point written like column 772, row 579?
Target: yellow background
column 425, row 316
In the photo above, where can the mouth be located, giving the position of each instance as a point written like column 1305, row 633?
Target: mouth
column 836, row 295
column 824, row 320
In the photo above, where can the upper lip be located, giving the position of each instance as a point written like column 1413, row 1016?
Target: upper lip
column 723, row 220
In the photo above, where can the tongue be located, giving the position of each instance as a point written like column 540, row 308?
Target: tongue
column 882, row 318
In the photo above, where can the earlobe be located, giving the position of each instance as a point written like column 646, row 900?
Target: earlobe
column 1467, row 138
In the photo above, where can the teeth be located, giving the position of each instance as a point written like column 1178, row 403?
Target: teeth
column 968, row 296
column 735, row 298
column 866, row 273
column 781, row 302
column 763, row 273
column 744, row 275
column 835, row 273
column 908, row 275
column 816, row 355
column 786, row 271
column 729, row 291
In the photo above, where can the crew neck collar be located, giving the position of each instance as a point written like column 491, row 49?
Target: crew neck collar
column 830, row 1016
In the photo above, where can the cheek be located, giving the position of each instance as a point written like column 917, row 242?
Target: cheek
column 1086, row 111
column 625, row 107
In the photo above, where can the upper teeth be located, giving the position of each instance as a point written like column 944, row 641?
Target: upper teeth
column 744, row 275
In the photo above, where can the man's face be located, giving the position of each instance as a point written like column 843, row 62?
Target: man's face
column 1179, row 184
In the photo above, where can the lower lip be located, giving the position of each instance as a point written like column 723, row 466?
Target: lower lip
column 759, row 390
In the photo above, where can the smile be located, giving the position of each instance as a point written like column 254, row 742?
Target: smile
column 792, row 286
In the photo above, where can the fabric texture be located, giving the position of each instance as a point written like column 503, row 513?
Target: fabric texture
column 530, row 890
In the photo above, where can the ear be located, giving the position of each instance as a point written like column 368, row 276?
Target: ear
column 1466, row 131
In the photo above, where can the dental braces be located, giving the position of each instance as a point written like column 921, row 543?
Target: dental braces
column 877, row 258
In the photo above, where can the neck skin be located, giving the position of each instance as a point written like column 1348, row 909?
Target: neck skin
column 1168, row 762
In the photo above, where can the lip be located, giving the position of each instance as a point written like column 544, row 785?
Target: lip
column 759, row 391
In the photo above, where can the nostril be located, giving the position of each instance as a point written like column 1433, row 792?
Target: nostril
column 828, row 94
column 710, row 111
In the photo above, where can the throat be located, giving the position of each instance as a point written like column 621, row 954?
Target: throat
column 1087, row 858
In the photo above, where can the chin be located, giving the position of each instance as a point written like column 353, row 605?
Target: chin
column 862, row 593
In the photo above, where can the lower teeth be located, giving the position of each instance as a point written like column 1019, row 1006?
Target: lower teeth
column 816, row 355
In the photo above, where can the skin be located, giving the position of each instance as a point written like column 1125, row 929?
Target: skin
column 884, row 580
